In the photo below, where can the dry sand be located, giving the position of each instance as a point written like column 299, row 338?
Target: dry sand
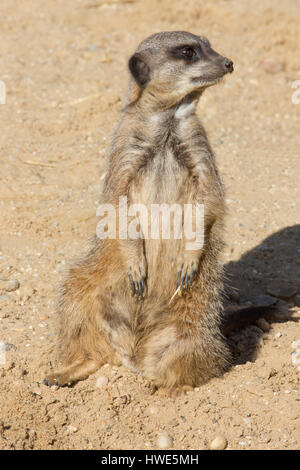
column 64, row 63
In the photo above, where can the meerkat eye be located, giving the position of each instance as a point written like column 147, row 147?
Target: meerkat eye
column 189, row 52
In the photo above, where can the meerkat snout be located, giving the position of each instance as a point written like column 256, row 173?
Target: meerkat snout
column 228, row 64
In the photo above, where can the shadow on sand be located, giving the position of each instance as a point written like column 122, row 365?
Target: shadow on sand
column 274, row 264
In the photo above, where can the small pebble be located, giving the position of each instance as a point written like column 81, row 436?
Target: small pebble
column 93, row 47
column 12, row 285
column 9, row 365
column 277, row 335
column 102, row 381
column 296, row 357
column 272, row 372
column 219, row 443
column 71, row 429
column 264, row 300
column 5, row 298
column 164, row 441
column 296, row 345
column 173, row 422
column 263, row 372
column 282, row 291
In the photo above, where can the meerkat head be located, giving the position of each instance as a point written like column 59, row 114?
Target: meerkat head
column 172, row 65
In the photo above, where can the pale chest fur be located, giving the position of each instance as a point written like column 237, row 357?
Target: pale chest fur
column 176, row 162
column 163, row 180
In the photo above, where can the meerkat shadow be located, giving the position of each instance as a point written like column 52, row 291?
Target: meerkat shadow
column 267, row 275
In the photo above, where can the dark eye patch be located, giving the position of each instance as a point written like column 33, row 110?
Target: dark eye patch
column 189, row 53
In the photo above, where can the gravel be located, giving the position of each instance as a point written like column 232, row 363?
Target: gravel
column 219, row 443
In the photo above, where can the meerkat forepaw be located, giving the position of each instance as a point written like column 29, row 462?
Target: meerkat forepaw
column 137, row 278
column 186, row 275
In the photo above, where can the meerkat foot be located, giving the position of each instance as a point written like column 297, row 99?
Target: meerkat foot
column 178, row 391
column 173, row 392
column 153, row 387
column 73, row 373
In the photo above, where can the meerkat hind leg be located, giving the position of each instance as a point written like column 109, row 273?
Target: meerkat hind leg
column 76, row 371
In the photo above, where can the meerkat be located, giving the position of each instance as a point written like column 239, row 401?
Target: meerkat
column 117, row 305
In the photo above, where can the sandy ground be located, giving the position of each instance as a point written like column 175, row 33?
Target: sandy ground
column 64, row 65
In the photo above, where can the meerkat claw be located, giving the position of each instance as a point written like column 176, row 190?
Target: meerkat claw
column 178, row 278
column 49, row 383
column 141, row 287
column 137, row 286
column 184, row 282
column 192, row 276
column 131, row 283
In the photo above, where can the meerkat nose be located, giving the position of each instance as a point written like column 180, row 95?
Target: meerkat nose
column 228, row 64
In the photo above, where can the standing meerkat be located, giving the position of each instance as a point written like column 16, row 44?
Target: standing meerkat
column 117, row 305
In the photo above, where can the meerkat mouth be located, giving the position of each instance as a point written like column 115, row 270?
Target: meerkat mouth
column 202, row 82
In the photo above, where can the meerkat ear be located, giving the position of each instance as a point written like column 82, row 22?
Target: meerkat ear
column 139, row 68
